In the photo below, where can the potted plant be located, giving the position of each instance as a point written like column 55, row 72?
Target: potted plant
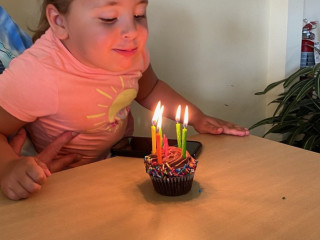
column 297, row 116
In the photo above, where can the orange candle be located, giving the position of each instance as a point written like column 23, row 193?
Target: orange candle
column 153, row 128
column 153, row 139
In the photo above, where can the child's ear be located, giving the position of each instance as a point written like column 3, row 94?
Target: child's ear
column 57, row 22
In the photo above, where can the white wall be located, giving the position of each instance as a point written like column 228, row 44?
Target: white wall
column 312, row 10
column 312, row 13
column 214, row 53
column 217, row 53
column 284, row 44
column 25, row 12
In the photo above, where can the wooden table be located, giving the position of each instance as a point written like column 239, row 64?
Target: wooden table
column 244, row 188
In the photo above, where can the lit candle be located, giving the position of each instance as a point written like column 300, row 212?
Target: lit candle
column 153, row 128
column 178, row 128
column 159, row 146
column 153, row 137
column 184, row 133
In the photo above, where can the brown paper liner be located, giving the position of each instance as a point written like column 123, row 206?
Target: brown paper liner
column 175, row 186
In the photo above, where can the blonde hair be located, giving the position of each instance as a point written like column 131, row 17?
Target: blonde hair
column 61, row 5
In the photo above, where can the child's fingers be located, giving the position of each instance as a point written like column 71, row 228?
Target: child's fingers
column 10, row 193
column 30, row 185
column 216, row 130
column 64, row 162
column 236, row 131
column 15, row 191
column 37, row 172
column 43, row 166
column 219, row 126
column 22, row 178
column 52, row 150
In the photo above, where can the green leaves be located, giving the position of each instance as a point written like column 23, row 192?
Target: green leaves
column 297, row 116
column 311, row 142
column 269, row 87
column 317, row 83
column 269, row 120
column 299, row 73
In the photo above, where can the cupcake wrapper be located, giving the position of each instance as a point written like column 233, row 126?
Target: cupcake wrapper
column 175, row 186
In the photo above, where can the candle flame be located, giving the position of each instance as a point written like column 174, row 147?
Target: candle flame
column 161, row 111
column 156, row 114
column 185, row 120
column 159, row 123
column 160, row 118
column 178, row 114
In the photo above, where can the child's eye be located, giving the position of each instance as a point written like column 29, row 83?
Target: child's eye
column 139, row 16
column 108, row 20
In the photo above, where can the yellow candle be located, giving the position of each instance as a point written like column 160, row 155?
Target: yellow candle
column 184, row 133
column 178, row 127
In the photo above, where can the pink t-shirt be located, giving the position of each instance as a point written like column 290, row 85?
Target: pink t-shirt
column 52, row 90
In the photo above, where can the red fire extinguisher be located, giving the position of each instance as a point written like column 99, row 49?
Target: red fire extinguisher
column 307, row 45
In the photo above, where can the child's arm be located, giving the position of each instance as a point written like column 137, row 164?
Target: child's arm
column 151, row 90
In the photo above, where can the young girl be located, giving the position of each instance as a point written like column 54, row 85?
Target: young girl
column 88, row 63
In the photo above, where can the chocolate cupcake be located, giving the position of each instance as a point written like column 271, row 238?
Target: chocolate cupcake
column 174, row 176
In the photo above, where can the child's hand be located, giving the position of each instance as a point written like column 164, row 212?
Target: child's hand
column 26, row 175
column 211, row 125
column 22, row 177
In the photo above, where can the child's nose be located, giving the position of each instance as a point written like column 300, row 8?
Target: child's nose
column 129, row 29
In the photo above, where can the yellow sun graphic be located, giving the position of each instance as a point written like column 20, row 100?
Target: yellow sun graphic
column 120, row 99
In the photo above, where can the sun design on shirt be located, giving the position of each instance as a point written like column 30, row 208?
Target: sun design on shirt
column 111, row 116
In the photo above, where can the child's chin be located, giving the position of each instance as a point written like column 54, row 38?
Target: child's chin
column 123, row 64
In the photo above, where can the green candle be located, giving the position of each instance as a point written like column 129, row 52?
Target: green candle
column 184, row 142
column 178, row 130
column 184, row 133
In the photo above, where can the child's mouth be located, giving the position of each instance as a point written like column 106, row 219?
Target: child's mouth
column 126, row 52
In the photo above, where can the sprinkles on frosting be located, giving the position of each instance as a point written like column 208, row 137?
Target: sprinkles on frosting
column 164, row 170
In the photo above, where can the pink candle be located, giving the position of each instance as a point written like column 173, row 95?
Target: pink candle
column 178, row 128
column 159, row 139
column 165, row 146
column 159, row 150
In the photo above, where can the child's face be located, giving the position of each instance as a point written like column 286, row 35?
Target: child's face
column 106, row 33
